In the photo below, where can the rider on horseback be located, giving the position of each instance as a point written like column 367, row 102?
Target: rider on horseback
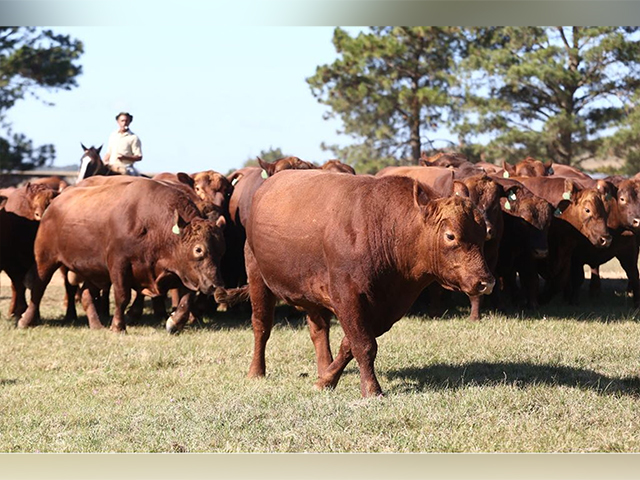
column 124, row 148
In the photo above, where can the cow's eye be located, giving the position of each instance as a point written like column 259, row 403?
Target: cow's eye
column 622, row 200
column 198, row 251
column 450, row 236
column 587, row 210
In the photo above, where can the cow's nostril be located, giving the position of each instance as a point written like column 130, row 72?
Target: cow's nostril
column 636, row 222
column 486, row 287
column 605, row 241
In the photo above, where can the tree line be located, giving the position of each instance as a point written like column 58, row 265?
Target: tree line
column 566, row 94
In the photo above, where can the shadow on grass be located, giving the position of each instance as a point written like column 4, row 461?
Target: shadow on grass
column 240, row 318
column 520, row 375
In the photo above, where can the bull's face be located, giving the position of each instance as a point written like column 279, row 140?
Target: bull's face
column 629, row 204
column 213, row 188
column 200, row 248
column 590, row 218
column 459, row 263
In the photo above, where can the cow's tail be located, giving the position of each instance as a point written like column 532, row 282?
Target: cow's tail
column 231, row 296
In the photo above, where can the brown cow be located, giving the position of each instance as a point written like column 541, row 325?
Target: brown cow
column 483, row 191
column 138, row 235
column 54, row 183
column 359, row 247
column 23, row 209
column 337, row 166
column 578, row 212
column 527, row 219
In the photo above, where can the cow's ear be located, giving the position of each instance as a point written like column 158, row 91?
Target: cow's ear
column 420, row 195
column 179, row 223
column 221, row 222
column 267, row 167
column 460, row 189
column 3, row 200
column 606, row 189
column 570, row 190
column 510, row 169
column 186, row 179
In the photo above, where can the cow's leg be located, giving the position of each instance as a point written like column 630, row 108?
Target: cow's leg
column 263, row 304
column 364, row 348
column 122, row 297
column 530, row 282
column 70, row 291
column 180, row 315
column 46, row 267
column 137, row 307
column 103, row 301
column 159, row 307
column 329, row 378
column 88, row 292
column 319, row 325
column 629, row 262
column 595, row 285
column 476, row 301
column 18, row 297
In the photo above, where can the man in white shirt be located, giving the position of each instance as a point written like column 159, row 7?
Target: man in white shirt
column 123, row 148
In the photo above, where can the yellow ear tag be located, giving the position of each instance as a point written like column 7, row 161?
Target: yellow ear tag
column 264, row 174
column 176, row 229
column 234, row 181
column 507, row 205
column 566, row 195
column 505, row 174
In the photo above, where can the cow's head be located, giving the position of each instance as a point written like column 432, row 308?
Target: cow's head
column 485, row 194
column 455, row 253
column 628, row 197
column 585, row 210
column 529, row 167
column 212, row 187
column 199, row 250
column 39, row 196
column 533, row 213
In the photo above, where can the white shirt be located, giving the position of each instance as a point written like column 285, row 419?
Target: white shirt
column 126, row 143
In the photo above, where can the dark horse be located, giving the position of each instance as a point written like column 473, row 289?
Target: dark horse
column 91, row 164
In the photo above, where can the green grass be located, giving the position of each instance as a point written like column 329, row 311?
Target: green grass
column 564, row 379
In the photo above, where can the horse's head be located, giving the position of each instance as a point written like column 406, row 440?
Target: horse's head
column 90, row 162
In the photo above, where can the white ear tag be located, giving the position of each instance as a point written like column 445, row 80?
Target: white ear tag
column 566, row 195
column 264, row 174
column 234, row 181
column 176, row 229
column 512, row 196
column 507, row 205
column 505, row 174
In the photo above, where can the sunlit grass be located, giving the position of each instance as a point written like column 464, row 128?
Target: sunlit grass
column 561, row 379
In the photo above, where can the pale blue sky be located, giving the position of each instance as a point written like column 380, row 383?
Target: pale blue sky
column 201, row 98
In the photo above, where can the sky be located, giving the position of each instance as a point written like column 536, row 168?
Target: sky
column 202, row 99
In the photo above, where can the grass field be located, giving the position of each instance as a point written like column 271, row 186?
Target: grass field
column 563, row 379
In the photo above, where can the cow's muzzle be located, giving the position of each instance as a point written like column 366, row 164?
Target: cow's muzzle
column 485, row 288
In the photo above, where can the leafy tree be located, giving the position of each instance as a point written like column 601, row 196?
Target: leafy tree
column 389, row 86
column 548, row 92
column 32, row 59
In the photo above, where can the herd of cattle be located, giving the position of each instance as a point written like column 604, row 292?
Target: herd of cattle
column 323, row 239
